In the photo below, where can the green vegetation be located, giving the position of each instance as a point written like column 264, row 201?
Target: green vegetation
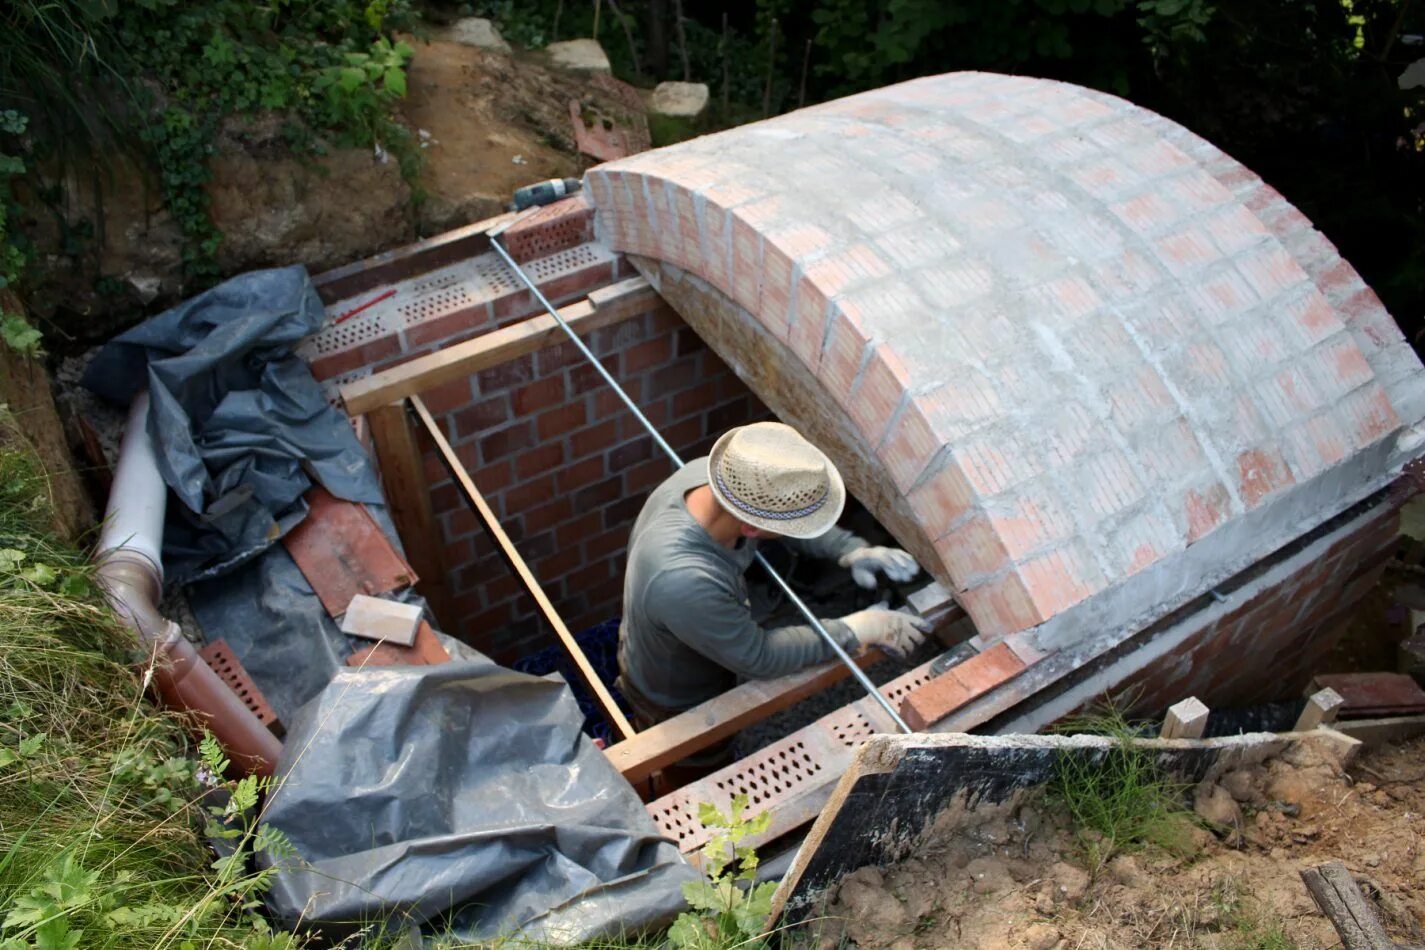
column 724, row 913
column 1121, row 801
column 100, row 811
column 1303, row 92
column 1247, row 925
column 83, row 81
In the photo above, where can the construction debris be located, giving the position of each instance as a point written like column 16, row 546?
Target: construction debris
column 378, row 619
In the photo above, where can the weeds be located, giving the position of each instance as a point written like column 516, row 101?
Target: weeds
column 1121, row 800
column 99, row 808
column 724, row 913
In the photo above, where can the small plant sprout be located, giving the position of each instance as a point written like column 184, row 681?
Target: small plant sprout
column 725, row 914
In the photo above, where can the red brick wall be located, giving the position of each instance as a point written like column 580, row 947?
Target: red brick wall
column 1269, row 647
column 567, row 468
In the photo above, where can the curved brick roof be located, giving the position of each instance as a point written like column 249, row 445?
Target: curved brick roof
column 1059, row 342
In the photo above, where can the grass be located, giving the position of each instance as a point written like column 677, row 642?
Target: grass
column 1247, row 926
column 99, row 823
column 1121, row 801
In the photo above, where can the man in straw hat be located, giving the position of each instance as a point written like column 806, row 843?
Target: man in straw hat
column 688, row 632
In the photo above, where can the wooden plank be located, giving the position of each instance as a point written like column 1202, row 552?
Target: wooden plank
column 1340, row 899
column 406, row 261
column 612, row 304
column 1185, row 720
column 492, row 525
column 1321, row 710
column 403, row 479
column 735, row 710
column 1378, row 732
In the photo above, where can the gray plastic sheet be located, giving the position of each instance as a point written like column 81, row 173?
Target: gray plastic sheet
column 464, row 798
column 237, row 419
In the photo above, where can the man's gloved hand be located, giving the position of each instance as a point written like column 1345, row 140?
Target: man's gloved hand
column 896, row 564
column 894, row 632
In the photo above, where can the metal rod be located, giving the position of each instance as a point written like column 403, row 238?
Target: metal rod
column 816, row 624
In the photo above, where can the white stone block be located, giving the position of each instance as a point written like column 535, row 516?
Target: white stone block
column 475, row 31
column 679, row 100
column 585, row 56
column 378, row 619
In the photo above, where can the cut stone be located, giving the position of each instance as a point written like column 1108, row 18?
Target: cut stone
column 477, row 32
column 378, row 619
column 679, row 100
column 585, row 56
column 1413, row 76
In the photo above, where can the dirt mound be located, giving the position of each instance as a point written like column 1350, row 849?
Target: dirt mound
column 487, row 123
column 1021, row 879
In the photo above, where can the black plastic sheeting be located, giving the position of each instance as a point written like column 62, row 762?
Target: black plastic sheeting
column 465, row 798
column 462, row 796
column 237, row 419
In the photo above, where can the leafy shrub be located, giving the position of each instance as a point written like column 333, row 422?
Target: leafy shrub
column 726, row 915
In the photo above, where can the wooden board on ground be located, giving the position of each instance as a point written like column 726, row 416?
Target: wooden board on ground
column 1378, row 732
column 897, row 786
column 1340, row 899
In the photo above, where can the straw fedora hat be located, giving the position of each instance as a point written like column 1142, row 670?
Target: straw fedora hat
column 768, row 476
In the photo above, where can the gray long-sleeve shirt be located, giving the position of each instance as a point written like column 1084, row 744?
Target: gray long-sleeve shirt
column 688, row 632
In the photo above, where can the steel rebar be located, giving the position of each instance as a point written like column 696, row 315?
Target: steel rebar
column 662, row 443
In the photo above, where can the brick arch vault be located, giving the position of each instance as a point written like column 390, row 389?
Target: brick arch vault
column 1078, row 360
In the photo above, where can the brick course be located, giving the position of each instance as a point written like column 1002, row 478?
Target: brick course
column 972, row 265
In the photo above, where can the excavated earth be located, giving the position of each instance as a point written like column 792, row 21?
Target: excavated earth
column 1023, row 880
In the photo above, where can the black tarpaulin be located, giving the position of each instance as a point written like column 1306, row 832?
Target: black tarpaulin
column 237, row 420
column 465, row 798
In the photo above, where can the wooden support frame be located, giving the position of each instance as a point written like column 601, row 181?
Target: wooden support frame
column 492, row 525
column 602, row 308
column 398, row 456
column 742, row 706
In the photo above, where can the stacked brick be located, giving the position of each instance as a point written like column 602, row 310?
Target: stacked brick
column 1073, row 337
column 562, row 462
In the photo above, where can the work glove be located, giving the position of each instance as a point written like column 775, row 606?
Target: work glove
column 894, row 632
column 896, row 564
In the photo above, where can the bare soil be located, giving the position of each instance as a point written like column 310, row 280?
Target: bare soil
column 1022, row 880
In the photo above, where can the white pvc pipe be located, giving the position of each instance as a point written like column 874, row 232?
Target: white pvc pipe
column 133, row 520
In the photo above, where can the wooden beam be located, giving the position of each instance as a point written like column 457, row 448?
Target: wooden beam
column 697, row 728
column 1321, row 710
column 1378, row 732
column 403, row 479
column 604, row 307
column 492, row 525
column 1185, row 720
column 1340, row 899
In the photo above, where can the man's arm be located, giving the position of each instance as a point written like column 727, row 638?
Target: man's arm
column 706, row 614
